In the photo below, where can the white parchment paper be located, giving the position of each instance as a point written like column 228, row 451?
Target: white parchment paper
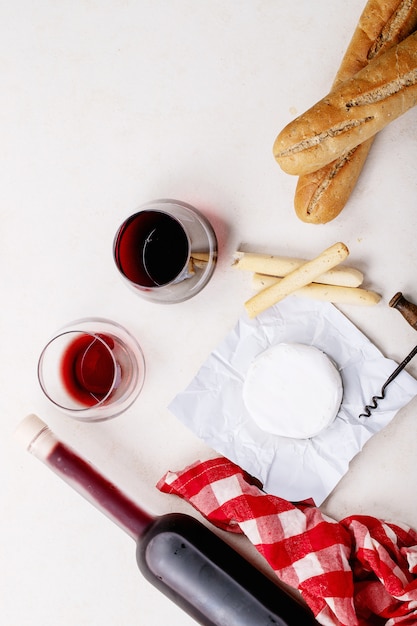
column 212, row 405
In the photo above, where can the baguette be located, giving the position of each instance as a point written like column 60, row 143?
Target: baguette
column 382, row 24
column 280, row 266
column 321, row 195
column 303, row 275
column 328, row 293
column 352, row 113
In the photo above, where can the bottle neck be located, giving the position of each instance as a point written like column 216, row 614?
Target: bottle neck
column 88, row 482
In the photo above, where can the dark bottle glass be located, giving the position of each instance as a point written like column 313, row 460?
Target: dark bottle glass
column 179, row 555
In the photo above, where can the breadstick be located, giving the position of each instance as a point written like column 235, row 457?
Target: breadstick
column 328, row 293
column 353, row 112
column 200, row 256
column 300, row 277
column 281, row 266
column 321, row 195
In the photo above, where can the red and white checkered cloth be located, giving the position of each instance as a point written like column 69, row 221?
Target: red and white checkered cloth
column 356, row 572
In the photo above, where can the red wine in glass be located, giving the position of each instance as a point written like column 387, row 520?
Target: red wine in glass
column 152, row 249
column 92, row 369
column 88, row 368
column 166, row 252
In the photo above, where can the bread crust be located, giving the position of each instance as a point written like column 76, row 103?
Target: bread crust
column 382, row 24
column 351, row 113
column 321, row 195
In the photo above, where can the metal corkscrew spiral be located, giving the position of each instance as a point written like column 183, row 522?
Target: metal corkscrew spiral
column 409, row 311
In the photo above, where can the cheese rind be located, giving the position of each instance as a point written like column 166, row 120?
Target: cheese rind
column 293, row 390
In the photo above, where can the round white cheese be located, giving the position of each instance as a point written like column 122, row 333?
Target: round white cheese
column 293, row 390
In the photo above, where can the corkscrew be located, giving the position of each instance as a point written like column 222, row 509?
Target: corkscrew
column 409, row 311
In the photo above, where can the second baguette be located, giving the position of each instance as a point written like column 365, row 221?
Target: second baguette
column 321, row 195
column 352, row 113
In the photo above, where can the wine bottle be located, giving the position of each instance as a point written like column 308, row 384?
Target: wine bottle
column 179, row 555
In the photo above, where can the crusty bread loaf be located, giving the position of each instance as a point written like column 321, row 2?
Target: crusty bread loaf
column 352, row 113
column 382, row 24
column 321, row 195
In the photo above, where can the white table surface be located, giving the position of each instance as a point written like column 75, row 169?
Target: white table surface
column 107, row 105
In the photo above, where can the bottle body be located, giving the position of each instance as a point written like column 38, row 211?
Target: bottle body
column 209, row 580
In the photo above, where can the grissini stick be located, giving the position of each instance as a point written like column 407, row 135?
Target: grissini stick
column 352, row 113
column 300, row 277
column 326, row 293
column 280, row 266
column 321, row 195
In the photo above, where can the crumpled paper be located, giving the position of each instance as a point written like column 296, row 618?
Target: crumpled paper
column 293, row 469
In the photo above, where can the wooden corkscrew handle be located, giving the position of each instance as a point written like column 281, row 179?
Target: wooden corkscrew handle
column 407, row 309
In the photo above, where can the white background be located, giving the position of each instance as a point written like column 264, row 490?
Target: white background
column 105, row 105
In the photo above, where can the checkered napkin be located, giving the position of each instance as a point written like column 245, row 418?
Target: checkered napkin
column 356, row 572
